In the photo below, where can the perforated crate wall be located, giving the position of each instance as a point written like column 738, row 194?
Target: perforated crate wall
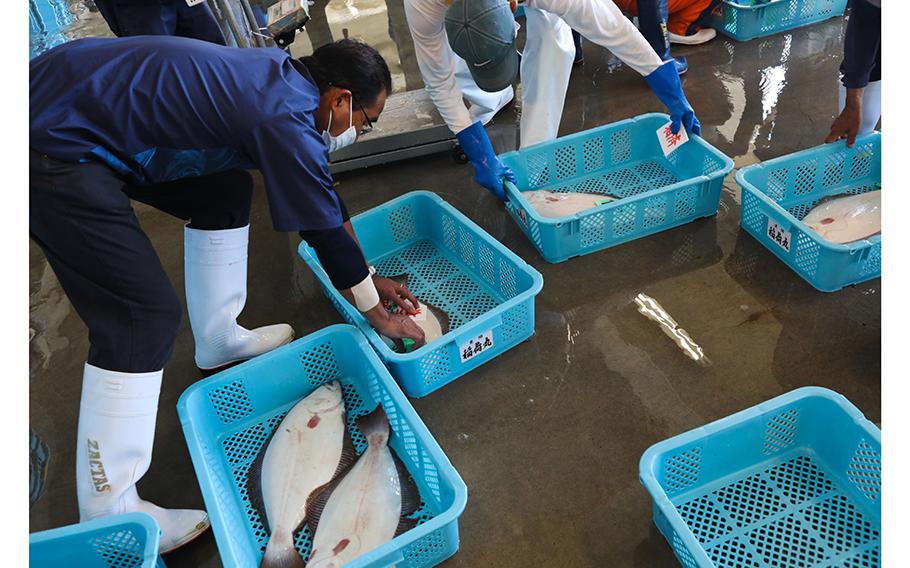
column 124, row 548
column 799, row 182
column 623, row 160
column 120, row 541
column 453, row 265
column 747, row 19
column 755, row 490
column 271, row 385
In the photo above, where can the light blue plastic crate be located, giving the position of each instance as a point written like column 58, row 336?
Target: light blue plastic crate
column 792, row 482
column 745, row 19
column 623, row 159
column 228, row 417
column 119, row 541
column 453, row 264
column 783, row 190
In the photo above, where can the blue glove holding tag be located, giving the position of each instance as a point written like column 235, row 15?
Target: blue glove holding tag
column 488, row 168
column 664, row 81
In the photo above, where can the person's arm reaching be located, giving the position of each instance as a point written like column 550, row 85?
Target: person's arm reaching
column 437, row 68
column 862, row 44
column 292, row 158
column 389, row 290
column 436, row 60
column 343, row 262
column 603, row 23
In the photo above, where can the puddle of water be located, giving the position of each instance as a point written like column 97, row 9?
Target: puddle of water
column 53, row 22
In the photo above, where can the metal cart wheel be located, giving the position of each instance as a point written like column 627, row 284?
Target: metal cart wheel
column 459, row 156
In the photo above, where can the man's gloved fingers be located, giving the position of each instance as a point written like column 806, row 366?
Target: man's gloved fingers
column 500, row 191
column 509, row 175
column 675, row 124
column 692, row 124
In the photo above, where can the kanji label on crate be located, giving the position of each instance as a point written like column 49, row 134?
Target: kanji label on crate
column 777, row 234
column 476, row 345
column 669, row 141
column 194, row 2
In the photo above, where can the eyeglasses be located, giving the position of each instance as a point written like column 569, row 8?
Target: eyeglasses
column 369, row 123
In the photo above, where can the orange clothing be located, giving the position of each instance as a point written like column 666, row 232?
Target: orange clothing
column 682, row 12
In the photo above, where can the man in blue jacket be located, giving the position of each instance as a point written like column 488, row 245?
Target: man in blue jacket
column 173, row 123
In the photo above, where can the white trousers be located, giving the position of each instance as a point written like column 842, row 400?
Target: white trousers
column 484, row 105
column 546, row 65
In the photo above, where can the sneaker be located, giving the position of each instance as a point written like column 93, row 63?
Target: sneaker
column 701, row 36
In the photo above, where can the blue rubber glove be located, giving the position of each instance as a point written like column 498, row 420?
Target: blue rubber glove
column 664, row 81
column 488, row 168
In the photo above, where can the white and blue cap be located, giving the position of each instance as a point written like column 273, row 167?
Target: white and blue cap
column 482, row 32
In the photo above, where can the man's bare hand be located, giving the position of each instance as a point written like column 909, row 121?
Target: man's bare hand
column 396, row 293
column 848, row 123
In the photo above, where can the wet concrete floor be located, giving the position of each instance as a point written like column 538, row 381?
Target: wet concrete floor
column 548, row 435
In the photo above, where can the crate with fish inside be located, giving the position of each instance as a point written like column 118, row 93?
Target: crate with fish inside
column 312, row 456
column 476, row 296
column 605, row 186
column 819, row 210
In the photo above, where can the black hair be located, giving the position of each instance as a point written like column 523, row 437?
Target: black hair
column 352, row 65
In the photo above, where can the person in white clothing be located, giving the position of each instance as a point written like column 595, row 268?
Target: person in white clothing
column 482, row 33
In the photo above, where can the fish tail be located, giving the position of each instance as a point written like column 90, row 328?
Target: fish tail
column 375, row 426
column 280, row 553
column 400, row 278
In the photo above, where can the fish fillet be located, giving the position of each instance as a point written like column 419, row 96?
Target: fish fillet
column 554, row 204
column 307, row 449
column 365, row 508
column 847, row 219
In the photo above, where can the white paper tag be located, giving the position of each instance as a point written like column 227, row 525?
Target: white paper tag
column 476, row 345
column 669, row 141
column 194, row 2
column 777, row 234
column 421, row 314
column 282, row 9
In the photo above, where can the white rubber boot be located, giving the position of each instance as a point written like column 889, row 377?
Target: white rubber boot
column 215, row 277
column 114, row 448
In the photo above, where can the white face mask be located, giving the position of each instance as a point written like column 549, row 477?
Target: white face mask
column 344, row 139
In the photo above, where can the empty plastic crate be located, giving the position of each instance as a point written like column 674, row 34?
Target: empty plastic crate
column 119, row 541
column 745, row 19
column 623, row 159
column 228, row 417
column 486, row 289
column 778, row 193
column 793, row 482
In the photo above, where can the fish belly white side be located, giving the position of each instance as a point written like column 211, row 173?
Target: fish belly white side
column 299, row 460
column 553, row 204
column 847, row 219
column 429, row 323
column 362, row 513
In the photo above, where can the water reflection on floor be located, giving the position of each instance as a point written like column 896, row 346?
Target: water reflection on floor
column 52, row 22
